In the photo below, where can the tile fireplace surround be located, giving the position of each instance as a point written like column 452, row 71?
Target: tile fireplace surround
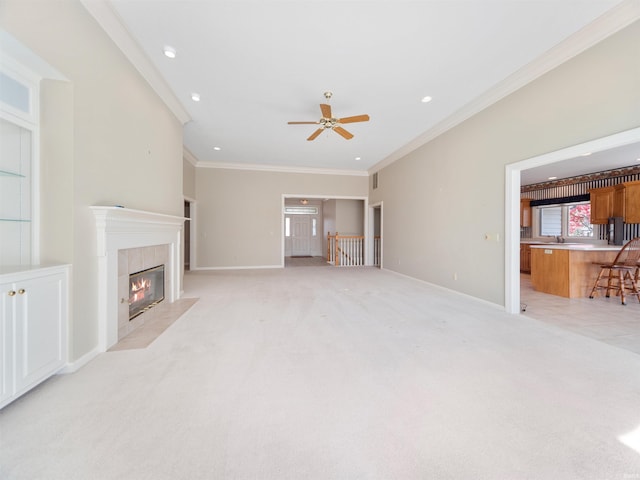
column 119, row 232
column 134, row 260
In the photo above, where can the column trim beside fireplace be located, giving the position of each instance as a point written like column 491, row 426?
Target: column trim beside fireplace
column 122, row 228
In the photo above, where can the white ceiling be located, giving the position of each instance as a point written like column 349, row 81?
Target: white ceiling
column 259, row 64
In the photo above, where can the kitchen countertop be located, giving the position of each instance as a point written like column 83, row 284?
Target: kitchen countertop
column 577, row 246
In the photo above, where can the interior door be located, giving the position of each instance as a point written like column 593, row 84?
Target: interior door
column 300, row 235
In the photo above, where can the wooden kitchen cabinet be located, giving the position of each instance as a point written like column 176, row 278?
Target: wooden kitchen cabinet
column 33, row 328
column 626, row 202
column 525, row 258
column 568, row 271
column 525, row 212
column 602, row 205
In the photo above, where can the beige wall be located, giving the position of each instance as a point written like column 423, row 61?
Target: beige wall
column 239, row 212
column 107, row 139
column 346, row 216
column 56, row 171
column 441, row 200
column 350, row 217
column 328, row 223
column 188, row 179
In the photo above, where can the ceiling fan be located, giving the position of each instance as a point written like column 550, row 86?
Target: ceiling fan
column 329, row 122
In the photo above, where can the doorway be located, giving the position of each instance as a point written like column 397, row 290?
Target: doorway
column 375, row 236
column 186, row 244
column 308, row 221
column 512, row 203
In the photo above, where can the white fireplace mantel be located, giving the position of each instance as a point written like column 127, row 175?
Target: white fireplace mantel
column 123, row 228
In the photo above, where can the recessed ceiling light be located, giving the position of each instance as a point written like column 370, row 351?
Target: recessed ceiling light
column 358, row 158
column 217, row 149
column 553, row 178
column 169, row 52
column 195, row 97
column 586, row 154
column 426, row 99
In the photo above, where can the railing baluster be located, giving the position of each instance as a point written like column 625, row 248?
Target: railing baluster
column 348, row 250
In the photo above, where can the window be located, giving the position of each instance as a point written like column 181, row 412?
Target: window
column 551, row 221
column 570, row 220
column 287, row 227
column 580, row 220
column 301, row 210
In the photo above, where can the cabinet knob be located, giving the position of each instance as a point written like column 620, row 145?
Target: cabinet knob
column 22, row 291
column 11, row 293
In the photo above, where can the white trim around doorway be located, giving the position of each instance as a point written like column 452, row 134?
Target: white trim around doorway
column 323, row 197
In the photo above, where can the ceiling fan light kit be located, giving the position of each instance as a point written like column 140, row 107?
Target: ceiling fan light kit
column 329, row 122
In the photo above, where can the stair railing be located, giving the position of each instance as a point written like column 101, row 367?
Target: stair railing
column 345, row 250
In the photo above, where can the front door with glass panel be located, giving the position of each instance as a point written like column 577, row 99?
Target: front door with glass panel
column 300, row 235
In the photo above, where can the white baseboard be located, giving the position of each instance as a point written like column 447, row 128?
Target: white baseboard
column 71, row 367
column 237, row 268
column 435, row 285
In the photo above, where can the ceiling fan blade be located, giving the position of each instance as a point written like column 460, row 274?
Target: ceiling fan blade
column 326, row 110
column 343, row 132
column 357, row 118
column 315, row 134
column 302, row 123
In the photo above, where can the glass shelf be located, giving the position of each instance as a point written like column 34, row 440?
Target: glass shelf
column 14, row 220
column 4, row 173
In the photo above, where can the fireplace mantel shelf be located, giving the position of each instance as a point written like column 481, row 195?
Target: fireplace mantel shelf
column 133, row 212
column 112, row 220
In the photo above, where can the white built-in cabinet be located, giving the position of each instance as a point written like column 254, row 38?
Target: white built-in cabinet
column 19, row 136
column 33, row 327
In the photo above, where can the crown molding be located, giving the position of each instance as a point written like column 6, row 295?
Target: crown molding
column 188, row 156
column 112, row 24
column 619, row 17
column 282, row 169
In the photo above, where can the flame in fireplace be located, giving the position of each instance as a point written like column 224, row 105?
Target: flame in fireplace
column 138, row 289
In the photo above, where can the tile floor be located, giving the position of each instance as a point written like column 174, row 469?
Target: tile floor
column 601, row 318
column 305, row 262
column 146, row 333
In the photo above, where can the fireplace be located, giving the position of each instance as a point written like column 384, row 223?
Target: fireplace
column 131, row 241
column 146, row 290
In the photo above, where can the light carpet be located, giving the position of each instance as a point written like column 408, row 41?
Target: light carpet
column 335, row 373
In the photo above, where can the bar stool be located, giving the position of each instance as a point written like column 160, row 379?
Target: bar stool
column 621, row 275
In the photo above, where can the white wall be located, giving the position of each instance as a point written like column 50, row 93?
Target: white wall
column 441, row 199
column 107, row 138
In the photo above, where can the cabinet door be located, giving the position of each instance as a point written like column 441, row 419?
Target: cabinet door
column 7, row 303
column 632, row 202
column 15, row 194
column 601, row 205
column 525, row 212
column 618, row 201
column 40, row 341
column 527, row 259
